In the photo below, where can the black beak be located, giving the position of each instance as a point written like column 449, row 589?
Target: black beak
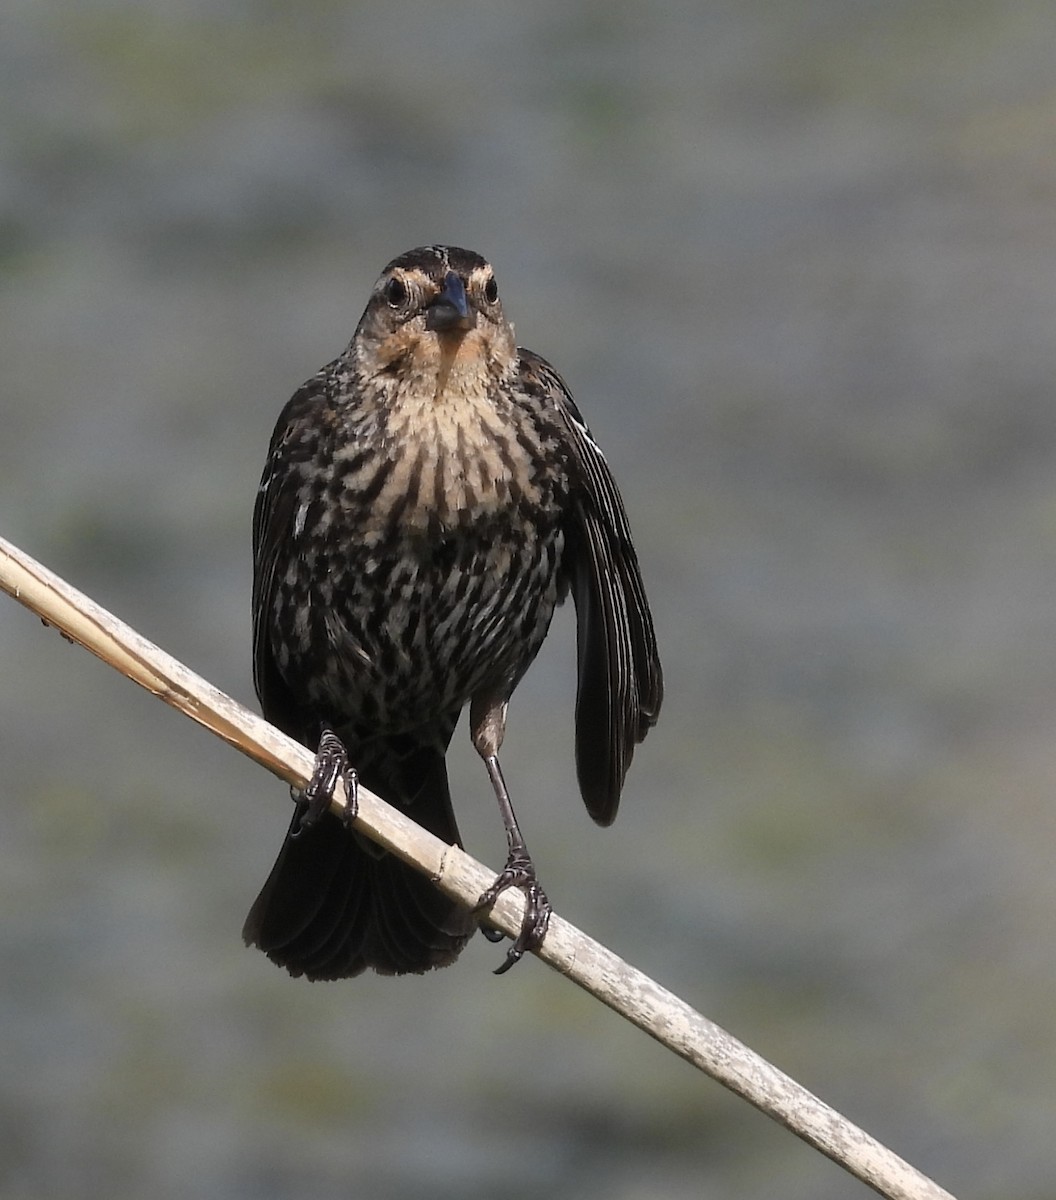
column 450, row 311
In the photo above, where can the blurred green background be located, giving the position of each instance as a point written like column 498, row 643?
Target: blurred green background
column 797, row 262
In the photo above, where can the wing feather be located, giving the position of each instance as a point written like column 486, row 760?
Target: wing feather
column 274, row 516
column 620, row 678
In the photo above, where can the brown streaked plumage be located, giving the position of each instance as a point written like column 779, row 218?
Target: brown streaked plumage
column 429, row 498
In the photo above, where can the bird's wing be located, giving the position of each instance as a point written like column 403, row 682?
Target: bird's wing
column 620, row 679
column 274, row 517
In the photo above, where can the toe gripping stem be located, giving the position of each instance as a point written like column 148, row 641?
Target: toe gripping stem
column 331, row 764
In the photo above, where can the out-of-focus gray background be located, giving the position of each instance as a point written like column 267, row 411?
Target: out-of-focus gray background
column 798, row 263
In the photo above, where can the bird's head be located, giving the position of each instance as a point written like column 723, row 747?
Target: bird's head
column 435, row 311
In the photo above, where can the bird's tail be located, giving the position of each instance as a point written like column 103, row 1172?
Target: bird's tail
column 336, row 904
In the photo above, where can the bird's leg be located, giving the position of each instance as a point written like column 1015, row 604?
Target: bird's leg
column 488, row 725
column 519, row 872
column 331, row 764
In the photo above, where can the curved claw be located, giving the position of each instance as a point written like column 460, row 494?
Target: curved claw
column 331, row 764
column 520, row 873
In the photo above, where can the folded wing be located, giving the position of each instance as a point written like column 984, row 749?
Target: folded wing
column 620, row 678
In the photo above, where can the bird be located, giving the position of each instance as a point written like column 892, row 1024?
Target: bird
column 429, row 498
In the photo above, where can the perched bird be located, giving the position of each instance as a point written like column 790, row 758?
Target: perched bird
column 429, row 498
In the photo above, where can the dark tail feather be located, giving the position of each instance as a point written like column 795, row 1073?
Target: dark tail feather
column 335, row 904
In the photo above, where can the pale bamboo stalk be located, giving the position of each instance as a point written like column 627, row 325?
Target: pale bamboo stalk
column 597, row 970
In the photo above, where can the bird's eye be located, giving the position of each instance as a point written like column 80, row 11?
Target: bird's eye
column 396, row 292
column 491, row 290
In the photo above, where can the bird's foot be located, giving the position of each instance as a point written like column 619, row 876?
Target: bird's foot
column 331, row 764
column 519, row 872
